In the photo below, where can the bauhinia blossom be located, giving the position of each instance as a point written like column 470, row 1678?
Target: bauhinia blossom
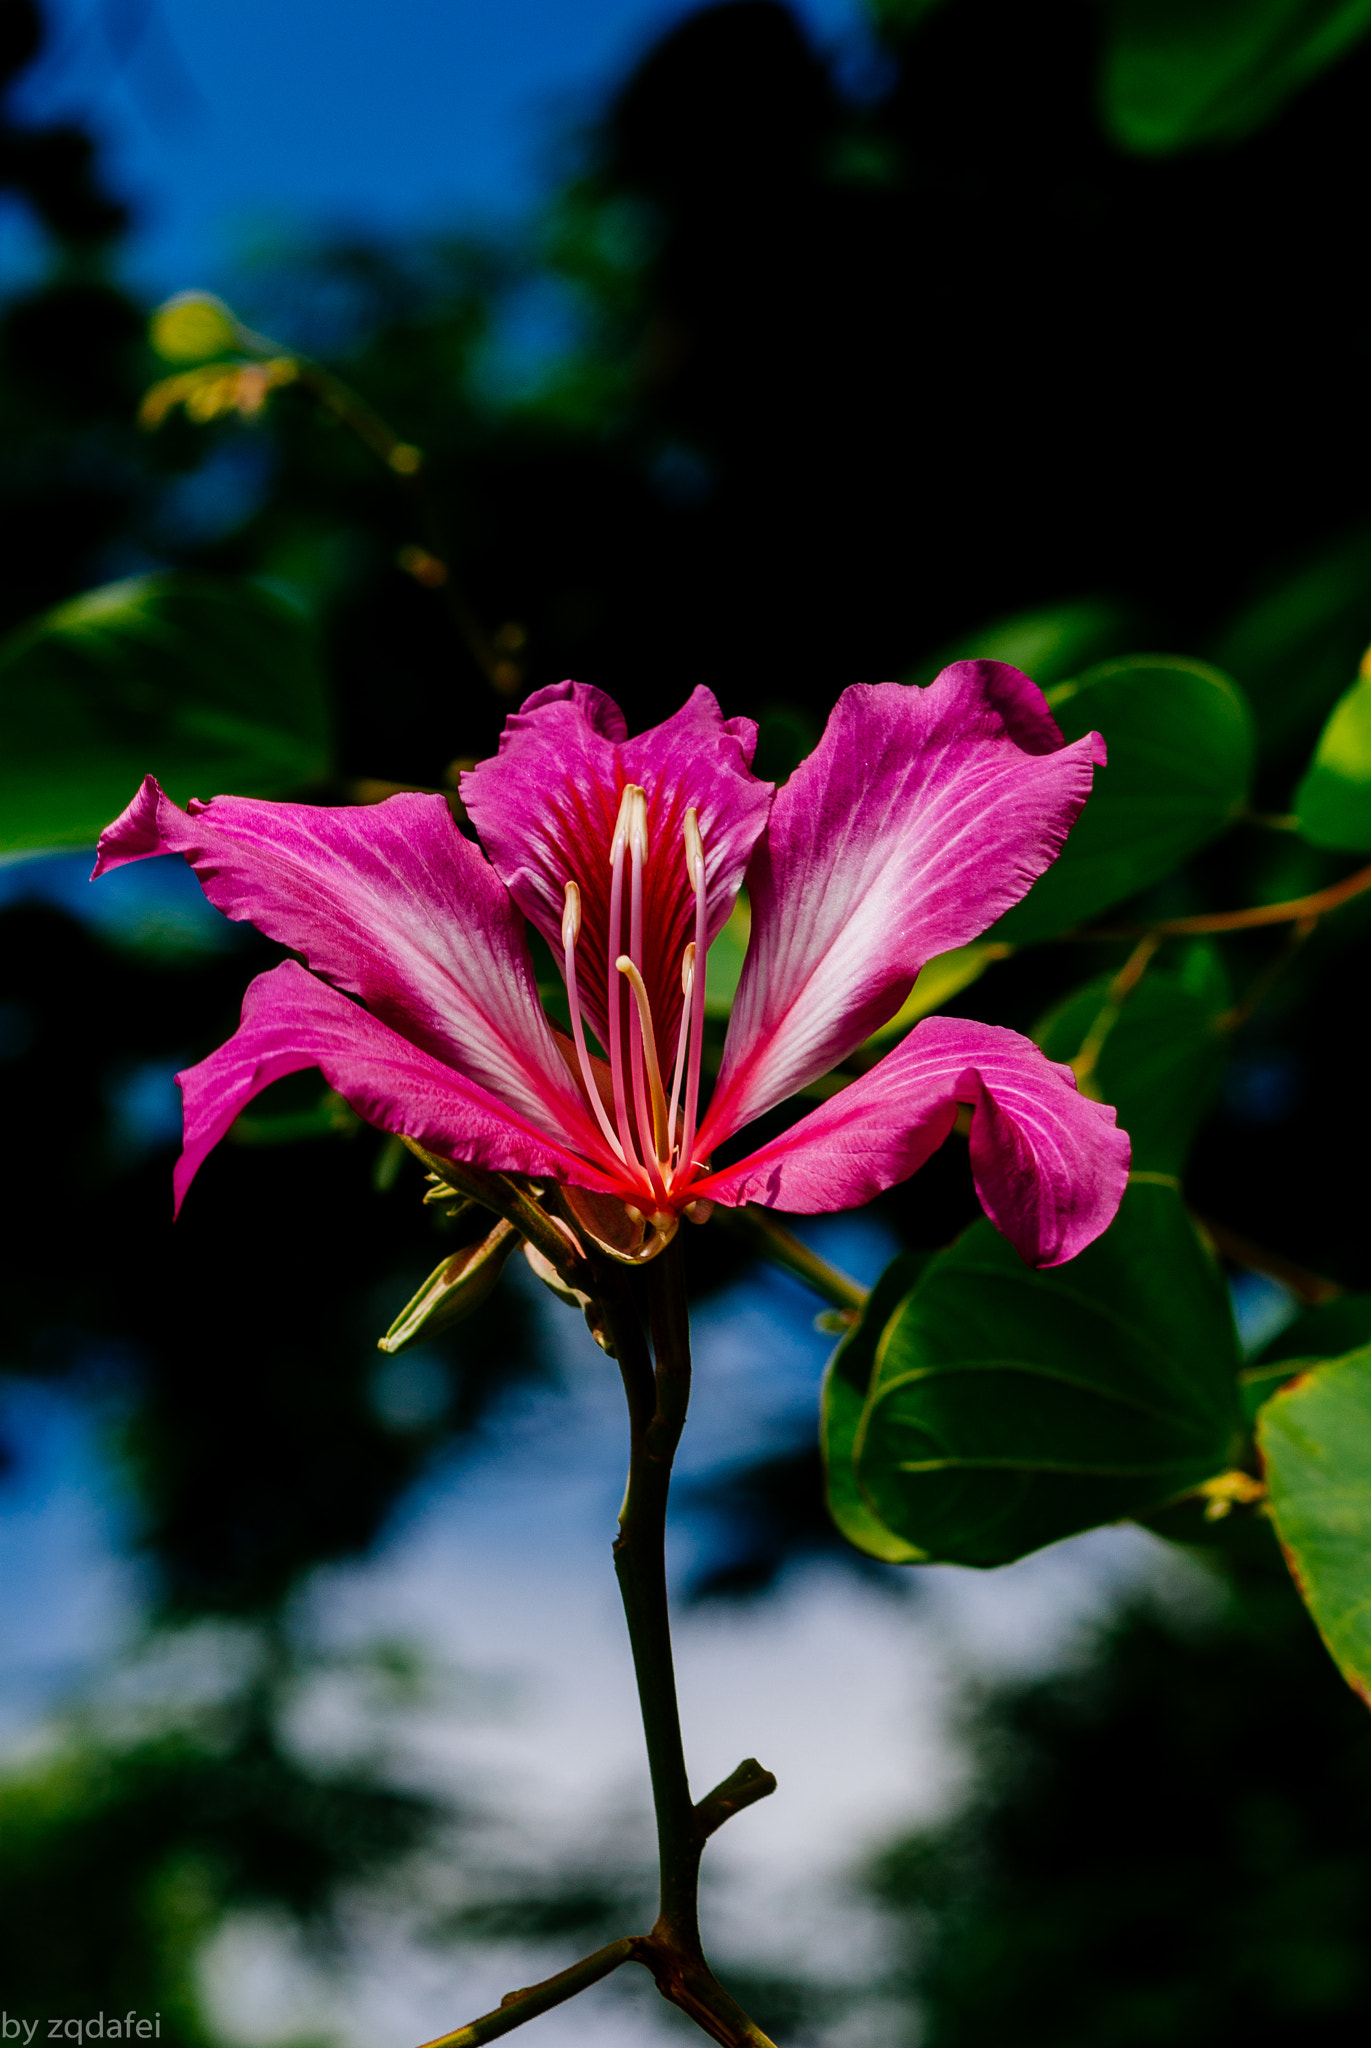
column 919, row 818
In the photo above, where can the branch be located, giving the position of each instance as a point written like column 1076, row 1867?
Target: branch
column 518, row 2006
column 1296, row 908
column 743, row 1787
column 771, row 1240
column 1312, row 1288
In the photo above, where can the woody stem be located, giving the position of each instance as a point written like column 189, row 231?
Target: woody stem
column 657, row 1401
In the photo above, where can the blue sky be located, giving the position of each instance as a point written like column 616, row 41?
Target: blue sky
column 228, row 120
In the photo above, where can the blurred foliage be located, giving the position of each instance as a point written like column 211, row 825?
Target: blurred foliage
column 1037, row 350
column 1170, row 1841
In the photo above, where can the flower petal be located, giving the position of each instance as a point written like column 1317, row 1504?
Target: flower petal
column 546, row 807
column 389, row 902
column 292, row 1020
column 919, row 818
column 1049, row 1164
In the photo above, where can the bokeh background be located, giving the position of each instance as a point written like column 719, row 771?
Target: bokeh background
column 770, row 347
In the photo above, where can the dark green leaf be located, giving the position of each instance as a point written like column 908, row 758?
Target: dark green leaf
column 1315, row 1440
column 1343, row 1324
column 1050, row 645
column 1295, row 648
column 845, row 1385
column 1010, row 1407
column 1157, row 1056
column 1178, row 73
column 1180, row 755
column 1333, row 801
column 209, row 683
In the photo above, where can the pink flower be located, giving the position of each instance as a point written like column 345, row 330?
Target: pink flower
column 919, row 818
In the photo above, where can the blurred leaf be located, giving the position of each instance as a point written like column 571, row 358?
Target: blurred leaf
column 1293, row 650
column 1178, row 73
column 1333, row 801
column 844, row 1396
column 192, row 327
column 1315, row 1441
column 1343, row 1324
column 209, row 683
column 1050, row 644
column 1180, row 754
column 217, row 388
column 726, row 956
column 1157, row 1056
column 940, row 978
column 785, row 734
column 329, row 1116
column 1009, row 1408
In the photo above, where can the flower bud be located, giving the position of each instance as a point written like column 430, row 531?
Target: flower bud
column 455, row 1290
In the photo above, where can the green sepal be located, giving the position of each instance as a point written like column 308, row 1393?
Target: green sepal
column 453, row 1291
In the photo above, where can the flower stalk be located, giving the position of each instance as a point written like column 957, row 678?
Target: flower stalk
column 657, row 1388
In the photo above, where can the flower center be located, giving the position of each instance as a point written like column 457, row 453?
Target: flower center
column 651, row 1134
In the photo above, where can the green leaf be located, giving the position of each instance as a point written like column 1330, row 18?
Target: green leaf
column 1179, row 736
column 844, row 1395
column 210, row 683
column 724, row 966
column 1333, row 801
column 1157, row 1056
column 1051, row 644
column 1315, row 1441
column 1343, row 1324
column 940, row 979
column 1178, row 73
column 1293, row 650
column 1009, row 1407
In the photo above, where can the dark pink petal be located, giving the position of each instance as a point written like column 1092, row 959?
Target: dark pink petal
column 291, row 1020
column 919, row 818
column 1049, row 1164
column 547, row 803
column 389, row 902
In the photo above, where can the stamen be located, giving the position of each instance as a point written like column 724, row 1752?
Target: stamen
column 695, row 868
column 636, row 825
column 571, row 931
column 682, row 1036
column 615, row 990
column 694, row 845
column 661, row 1128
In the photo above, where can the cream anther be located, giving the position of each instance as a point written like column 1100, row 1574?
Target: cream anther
column 637, row 827
column 694, row 846
column 687, row 965
column 571, row 915
column 624, row 822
